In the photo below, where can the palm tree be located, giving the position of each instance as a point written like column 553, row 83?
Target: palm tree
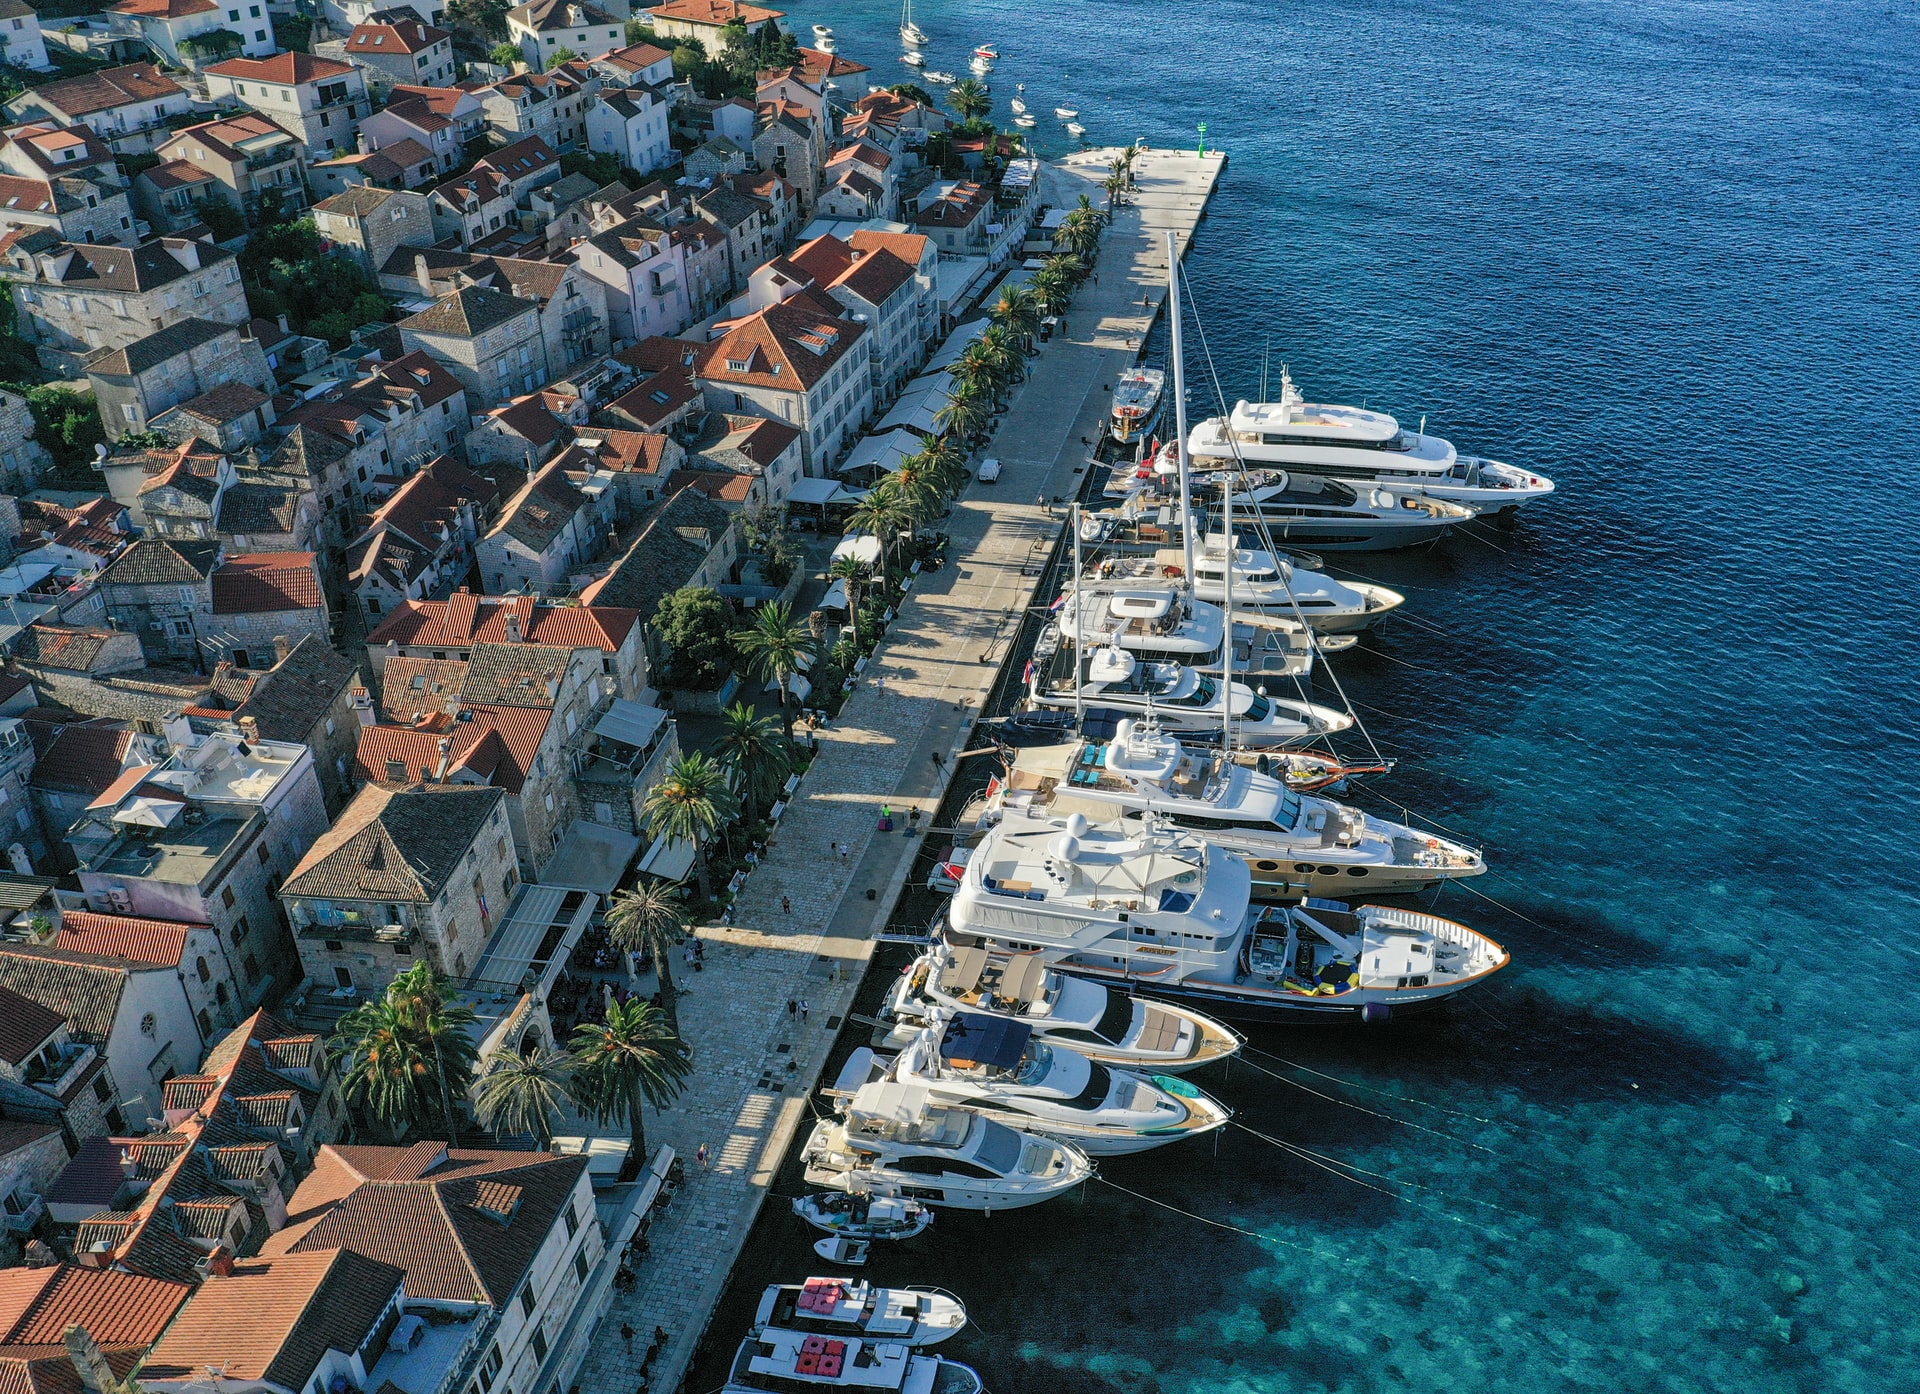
column 997, row 349
column 1114, row 184
column 1018, row 312
column 777, row 645
column 410, row 1044
column 760, row 757
column 854, row 572
column 633, row 1058
column 691, row 803
column 881, row 514
column 914, row 485
column 648, row 919
column 1080, row 232
column 965, row 415
column 1053, row 286
column 523, row 1093
column 945, row 463
column 970, row 98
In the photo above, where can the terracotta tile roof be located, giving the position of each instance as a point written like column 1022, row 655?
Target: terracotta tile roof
column 719, row 485
column 156, row 561
column 496, row 743
column 268, row 582
column 412, row 687
column 528, row 418
column 95, row 1175
column 398, row 846
column 229, row 137
column 62, row 645
column 124, row 936
column 37, row 1305
column 421, row 1208
column 542, row 510
column 24, row 1026
column 657, row 399
column 787, row 346
column 718, row 13
column 84, row 758
column 461, row 621
column 816, row 66
column 287, row 69
column 632, row 452
column 402, row 36
column 50, row 1369
column 85, row 988
column 634, row 57
column 275, row 1319
column 113, row 87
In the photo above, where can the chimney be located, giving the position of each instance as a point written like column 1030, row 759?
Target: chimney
column 38, row 1255
column 187, row 253
column 553, row 687
column 422, row 274
column 220, row 1262
column 250, row 729
column 444, row 747
column 363, row 705
column 283, row 324
column 129, row 1168
column 90, row 1362
column 282, row 646
column 514, row 633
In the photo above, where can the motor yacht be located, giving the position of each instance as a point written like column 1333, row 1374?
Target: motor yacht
column 1136, row 403
column 823, row 31
column 1102, row 1023
column 1157, row 910
column 828, row 45
column 1189, row 702
column 1331, row 514
column 1074, row 128
column 1292, row 842
column 777, row 1361
column 993, row 1065
column 1360, row 447
column 980, row 67
column 1159, row 621
column 913, row 1316
column 945, row 79
column 895, row 1138
column 1262, row 584
column 913, row 58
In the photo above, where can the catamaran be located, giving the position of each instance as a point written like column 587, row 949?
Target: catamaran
column 1157, row 910
column 1361, row 448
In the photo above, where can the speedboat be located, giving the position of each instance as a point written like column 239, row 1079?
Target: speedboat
column 1262, row 583
column 1293, row 843
column 1019, row 107
column 913, row 1316
column 943, row 78
column 1102, row 1023
column 1158, row 620
column 986, row 51
column 1074, row 128
column 1361, row 448
column 823, row 31
column 1065, row 113
column 1156, row 910
column 894, row 1137
column 980, row 67
column 778, row 1361
column 863, row 1217
column 914, row 59
column 1025, row 122
column 1189, row 702
column 1332, row 515
column 995, row 1066
column 1136, row 403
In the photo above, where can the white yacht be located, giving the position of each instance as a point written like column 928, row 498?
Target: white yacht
column 1332, row 515
column 1066, row 113
column 1102, row 1023
column 828, row 45
column 1292, row 842
column 913, row 1316
column 913, row 58
column 777, row 1361
column 945, row 79
column 1262, row 583
column 1136, row 403
column 996, row 1067
column 1019, row 107
column 1188, row 701
column 1159, row 911
column 823, row 31
column 980, row 67
column 893, row 1138
column 911, row 33
column 1361, row 447
column 1156, row 622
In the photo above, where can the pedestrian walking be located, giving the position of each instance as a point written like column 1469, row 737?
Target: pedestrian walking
column 880, row 683
column 804, row 1009
column 701, row 1157
column 686, row 952
column 939, row 761
column 1040, row 502
column 626, row 1332
column 786, row 905
column 793, row 1007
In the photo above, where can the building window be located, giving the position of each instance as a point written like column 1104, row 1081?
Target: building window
column 527, row 1300
column 262, row 853
column 101, row 1089
column 539, row 1344
column 240, row 929
column 573, row 1221
column 252, row 965
column 580, row 1265
column 200, row 967
column 226, row 896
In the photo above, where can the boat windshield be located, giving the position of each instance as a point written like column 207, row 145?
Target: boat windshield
column 1204, row 691
column 1035, row 1064
column 999, row 1148
column 1259, row 709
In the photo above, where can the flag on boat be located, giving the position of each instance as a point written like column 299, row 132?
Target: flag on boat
column 1058, row 601
column 1027, row 674
column 993, row 786
column 953, row 871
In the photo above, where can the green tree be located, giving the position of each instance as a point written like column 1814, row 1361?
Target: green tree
column 640, row 32
column 648, row 920
column 447, row 1029
column 776, row 645
column 882, row 514
column 913, row 92
column 222, row 219
column 67, row 423
column 1018, row 312
column 506, row 55
column 758, row 756
column 965, row 415
column 405, row 1051
column 560, row 55
column 970, row 98
column 633, row 1058
column 487, row 18
column 691, row 803
column 853, row 571
column 696, row 625
column 689, row 60
column 524, row 1093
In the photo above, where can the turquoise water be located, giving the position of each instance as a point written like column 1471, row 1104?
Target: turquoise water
column 1665, row 253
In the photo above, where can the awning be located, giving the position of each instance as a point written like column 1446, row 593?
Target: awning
column 956, row 344
column 630, row 723
column 994, row 1041
column 864, row 547
column 147, row 812
column 798, row 686
column 670, row 861
column 819, row 492
column 883, row 452
column 919, row 403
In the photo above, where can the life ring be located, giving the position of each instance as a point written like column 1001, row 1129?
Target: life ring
column 1433, row 844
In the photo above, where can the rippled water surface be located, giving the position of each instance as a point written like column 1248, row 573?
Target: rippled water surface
column 1665, row 253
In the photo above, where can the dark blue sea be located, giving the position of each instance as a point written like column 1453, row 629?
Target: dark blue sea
column 1667, row 253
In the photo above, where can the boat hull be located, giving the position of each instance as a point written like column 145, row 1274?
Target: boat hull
column 1356, row 534
column 1282, row 877
column 1250, row 1005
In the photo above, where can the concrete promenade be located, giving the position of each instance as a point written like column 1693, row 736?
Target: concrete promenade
column 756, row 1062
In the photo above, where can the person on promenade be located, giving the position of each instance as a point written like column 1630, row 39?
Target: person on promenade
column 786, row 905
column 804, row 1009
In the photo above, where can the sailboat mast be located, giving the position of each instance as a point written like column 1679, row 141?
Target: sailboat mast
column 1180, row 409
column 1079, row 634
column 1226, row 660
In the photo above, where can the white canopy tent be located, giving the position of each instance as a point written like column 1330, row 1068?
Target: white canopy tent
column 883, row 453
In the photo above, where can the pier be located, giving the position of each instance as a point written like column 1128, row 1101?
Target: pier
column 755, row 1062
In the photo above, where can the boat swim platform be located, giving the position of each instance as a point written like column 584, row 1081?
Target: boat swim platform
column 755, row 1064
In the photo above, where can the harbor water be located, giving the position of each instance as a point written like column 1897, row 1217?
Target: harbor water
column 1663, row 252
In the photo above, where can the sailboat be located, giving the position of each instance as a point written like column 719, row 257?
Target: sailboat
column 910, row 33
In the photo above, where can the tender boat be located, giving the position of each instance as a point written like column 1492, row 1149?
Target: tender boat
column 913, row 59
column 1074, row 128
column 1161, row 912
column 913, row 1316
column 1292, row 842
column 1306, row 772
column 1262, row 583
column 893, row 1137
column 864, row 1217
column 779, row 1362
column 1188, row 701
column 849, row 1253
column 1360, row 447
column 1136, row 403
column 1065, row 113
column 1019, row 107
column 1102, row 1023
column 1025, row 122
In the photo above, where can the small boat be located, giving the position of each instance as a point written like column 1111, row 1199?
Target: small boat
column 823, row 31
column 914, row 59
column 1065, row 113
column 912, row 1316
column 980, row 67
column 911, row 33
column 1019, row 107
column 780, row 1362
column 864, row 1217
column 1136, row 402
column 1025, row 121
column 849, row 1253
column 986, row 51
column 1074, row 128
column 945, row 79
column 1307, row 773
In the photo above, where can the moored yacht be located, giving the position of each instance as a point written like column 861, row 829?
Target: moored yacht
column 995, row 1066
column 913, row 58
column 778, row 1361
column 1189, row 702
column 1265, row 583
column 1332, row 515
column 945, row 79
column 893, row 1138
column 1157, row 622
column 911, row 33
column 1291, row 842
column 844, row 1307
column 1159, row 911
column 1361, row 447
column 1102, row 1023
column 1136, row 402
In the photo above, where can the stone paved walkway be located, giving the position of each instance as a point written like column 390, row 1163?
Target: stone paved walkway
column 755, row 1061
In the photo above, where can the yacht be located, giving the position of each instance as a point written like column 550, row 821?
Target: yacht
column 1074, row 128
column 980, row 67
column 1332, row 515
column 777, row 1361
column 1160, row 912
column 823, row 31
column 913, row 58
column 1065, row 113
column 1262, row 583
column 828, row 45
column 842, row 1307
column 911, row 33
column 1361, row 447
column 1157, row 622
column 945, row 79
column 1136, row 403
column 1102, row 1023
column 994, row 1066
column 895, row 1138
column 986, row 51
column 1188, row 701
column 1292, row 842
